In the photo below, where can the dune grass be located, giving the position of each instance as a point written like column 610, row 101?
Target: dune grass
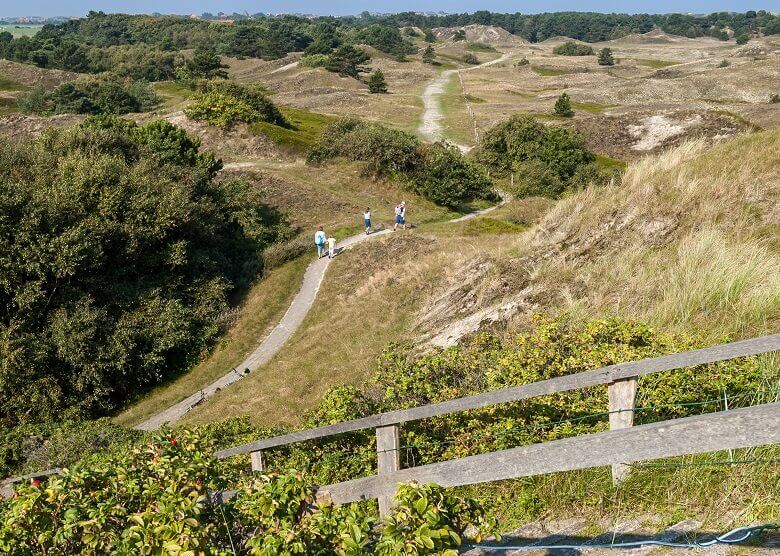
column 8, row 84
column 457, row 123
column 591, row 106
column 655, row 64
column 545, row 71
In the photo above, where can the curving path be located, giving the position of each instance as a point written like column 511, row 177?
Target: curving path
column 312, row 279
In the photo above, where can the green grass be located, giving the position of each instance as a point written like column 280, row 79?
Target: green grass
column 172, row 93
column 591, row 106
column 608, row 163
column 7, row 84
column 480, row 47
column 475, row 100
column 457, row 123
column 485, row 225
column 21, row 30
column 549, row 72
column 656, row 64
column 306, row 129
column 520, row 93
column 7, row 106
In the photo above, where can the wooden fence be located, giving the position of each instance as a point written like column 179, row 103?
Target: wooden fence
column 621, row 445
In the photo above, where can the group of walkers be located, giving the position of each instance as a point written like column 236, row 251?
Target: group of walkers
column 321, row 239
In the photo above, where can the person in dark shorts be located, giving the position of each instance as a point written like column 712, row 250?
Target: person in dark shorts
column 367, row 220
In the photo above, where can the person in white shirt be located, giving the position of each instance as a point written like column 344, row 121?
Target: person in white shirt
column 331, row 247
column 367, row 220
column 319, row 241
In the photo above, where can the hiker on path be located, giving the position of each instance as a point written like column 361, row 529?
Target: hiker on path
column 400, row 216
column 331, row 247
column 367, row 220
column 319, row 241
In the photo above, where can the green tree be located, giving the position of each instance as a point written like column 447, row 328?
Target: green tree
column 470, row 58
column 204, row 64
column 573, row 48
column 742, row 38
column 376, row 83
column 605, row 57
column 428, row 55
column 429, row 36
column 563, row 106
column 348, row 60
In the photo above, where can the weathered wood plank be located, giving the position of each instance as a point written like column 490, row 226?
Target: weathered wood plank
column 740, row 428
column 388, row 454
column 622, row 399
column 567, row 383
column 257, row 462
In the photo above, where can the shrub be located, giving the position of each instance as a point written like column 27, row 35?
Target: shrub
column 448, row 179
column 225, row 103
column 314, row 61
column 204, row 64
column 572, row 48
column 429, row 36
column 428, row 55
column 91, row 95
column 470, row 58
column 724, row 64
column 563, row 106
column 437, row 172
column 460, row 35
column 376, row 83
column 147, row 247
column 742, row 38
column 605, row 57
column 774, row 98
column 510, row 145
column 536, row 178
column 522, row 62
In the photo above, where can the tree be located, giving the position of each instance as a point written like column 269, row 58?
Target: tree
column 347, row 61
column 376, row 83
column 460, row 35
column 429, row 36
column 428, row 55
column 572, row 48
column 605, row 57
column 743, row 38
column 563, row 106
column 206, row 64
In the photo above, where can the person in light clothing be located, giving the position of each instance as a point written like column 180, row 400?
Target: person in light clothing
column 319, row 241
column 367, row 220
column 331, row 247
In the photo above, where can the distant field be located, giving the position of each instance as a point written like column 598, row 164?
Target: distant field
column 21, row 30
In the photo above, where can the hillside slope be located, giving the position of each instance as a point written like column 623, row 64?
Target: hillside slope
column 689, row 242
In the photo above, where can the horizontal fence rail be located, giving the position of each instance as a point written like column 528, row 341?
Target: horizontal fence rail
column 739, row 428
column 596, row 377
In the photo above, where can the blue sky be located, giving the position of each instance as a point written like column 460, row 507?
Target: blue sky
column 80, row 7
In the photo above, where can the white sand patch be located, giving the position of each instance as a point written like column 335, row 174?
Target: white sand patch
column 653, row 131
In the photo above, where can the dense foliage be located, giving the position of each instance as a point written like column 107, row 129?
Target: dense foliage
column 545, row 159
column 377, row 83
column 144, row 45
column 605, row 57
column 437, row 172
column 153, row 499
column 104, row 94
column 120, row 253
column 226, row 103
column 563, row 106
column 204, row 64
column 571, row 48
column 347, row 61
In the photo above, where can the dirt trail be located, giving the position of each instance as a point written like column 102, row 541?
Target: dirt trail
column 430, row 126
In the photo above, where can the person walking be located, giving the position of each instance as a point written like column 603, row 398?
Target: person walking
column 331, row 247
column 367, row 220
column 403, row 214
column 319, row 241
column 398, row 219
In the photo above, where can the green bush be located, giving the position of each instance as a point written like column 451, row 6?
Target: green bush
column 225, row 103
column 437, row 172
column 605, row 57
column 563, row 106
column 445, row 177
column 376, row 83
column 138, row 249
column 544, row 158
column 314, row 61
column 469, row 58
column 572, row 48
column 742, row 38
column 774, row 98
column 92, row 95
column 153, row 499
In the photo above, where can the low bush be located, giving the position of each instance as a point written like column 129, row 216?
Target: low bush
column 153, row 499
column 572, row 48
column 544, row 159
column 226, row 103
column 105, row 94
column 314, row 61
column 437, row 172
column 470, row 58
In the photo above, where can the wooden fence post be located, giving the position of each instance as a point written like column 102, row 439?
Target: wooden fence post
column 388, row 456
column 622, row 400
column 257, row 461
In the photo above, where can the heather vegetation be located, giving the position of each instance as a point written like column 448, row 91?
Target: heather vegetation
column 123, row 254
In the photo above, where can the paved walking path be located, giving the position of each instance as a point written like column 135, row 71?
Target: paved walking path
column 304, row 299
